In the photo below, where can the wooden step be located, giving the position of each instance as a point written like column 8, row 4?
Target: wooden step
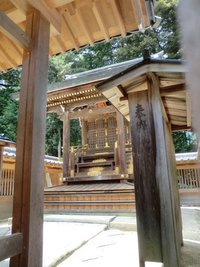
column 104, row 177
column 111, row 197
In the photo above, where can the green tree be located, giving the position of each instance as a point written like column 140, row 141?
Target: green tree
column 9, row 83
column 184, row 141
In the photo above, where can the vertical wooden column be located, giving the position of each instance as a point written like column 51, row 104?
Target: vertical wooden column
column 121, row 144
column 66, row 144
column 1, row 166
column 84, row 132
column 146, row 188
column 29, row 184
column 171, row 224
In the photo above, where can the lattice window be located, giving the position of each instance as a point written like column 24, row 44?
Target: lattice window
column 92, row 138
column 100, row 124
column 111, row 131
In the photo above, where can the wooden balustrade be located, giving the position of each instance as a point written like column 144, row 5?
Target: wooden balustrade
column 10, row 246
column 7, row 182
column 189, row 178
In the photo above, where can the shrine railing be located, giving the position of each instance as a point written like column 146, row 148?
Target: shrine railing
column 188, row 176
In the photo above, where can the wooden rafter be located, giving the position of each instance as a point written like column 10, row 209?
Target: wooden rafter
column 69, row 33
column 137, row 8
column 118, row 17
column 7, row 57
column 51, row 15
column 12, row 46
column 57, row 3
column 85, row 26
column 12, row 31
column 100, row 20
column 173, row 88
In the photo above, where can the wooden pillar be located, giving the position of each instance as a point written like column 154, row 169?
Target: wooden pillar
column 171, row 224
column 66, row 144
column 84, row 132
column 146, row 188
column 29, row 184
column 1, row 166
column 121, row 144
column 157, row 200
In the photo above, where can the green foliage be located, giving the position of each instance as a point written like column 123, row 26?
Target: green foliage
column 164, row 38
column 9, row 83
column 75, row 132
column 184, row 141
column 53, row 134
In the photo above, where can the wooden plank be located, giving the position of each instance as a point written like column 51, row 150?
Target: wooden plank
column 137, row 8
column 84, row 26
column 171, row 228
column 146, row 190
column 118, row 17
column 66, row 144
column 57, row 3
column 100, row 19
column 66, row 32
column 28, row 193
column 13, row 32
column 10, row 246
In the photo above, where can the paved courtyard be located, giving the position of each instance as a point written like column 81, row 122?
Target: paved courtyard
column 94, row 241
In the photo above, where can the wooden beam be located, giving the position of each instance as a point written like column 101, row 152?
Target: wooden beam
column 99, row 17
column 66, row 144
column 10, row 246
column 180, row 128
column 13, row 32
column 118, row 17
column 146, row 189
column 173, row 88
column 51, row 15
column 28, row 192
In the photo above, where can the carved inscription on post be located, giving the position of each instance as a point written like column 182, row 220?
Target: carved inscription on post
column 141, row 117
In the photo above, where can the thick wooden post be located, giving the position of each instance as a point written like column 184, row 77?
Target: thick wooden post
column 1, row 166
column 121, row 144
column 146, row 187
column 29, row 185
column 66, row 144
column 171, row 224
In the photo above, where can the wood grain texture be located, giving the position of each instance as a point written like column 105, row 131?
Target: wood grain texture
column 28, row 193
column 171, row 228
column 146, row 188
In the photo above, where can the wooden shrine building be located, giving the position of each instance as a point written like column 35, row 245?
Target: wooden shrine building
column 31, row 31
column 105, row 151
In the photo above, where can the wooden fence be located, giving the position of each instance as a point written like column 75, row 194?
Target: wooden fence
column 188, row 174
column 52, row 176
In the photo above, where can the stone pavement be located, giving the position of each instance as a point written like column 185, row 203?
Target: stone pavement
column 94, row 240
